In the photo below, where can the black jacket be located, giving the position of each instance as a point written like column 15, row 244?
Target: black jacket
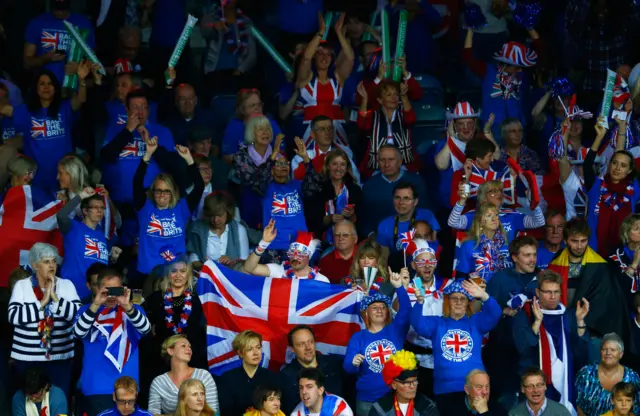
column 422, row 406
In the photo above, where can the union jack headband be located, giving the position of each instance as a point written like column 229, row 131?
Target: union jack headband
column 422, row 246
column 514, row 53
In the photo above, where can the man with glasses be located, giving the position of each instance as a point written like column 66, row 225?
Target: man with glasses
column 336, row 261
column 405, row 202
column 125, row 394
column 323, row 140
column 534, row 387
column 553, row 338
column 552, row 242
column 400, row 373
column 84, row 242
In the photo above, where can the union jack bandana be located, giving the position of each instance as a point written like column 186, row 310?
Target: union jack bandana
column 506, row 85
column 618, row 257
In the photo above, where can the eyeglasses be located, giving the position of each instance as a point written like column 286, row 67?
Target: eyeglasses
column 555, row 227
column 327, row 129
column 550, row 292
column 407, row 383
column 404, row 199
column 538, row 386
column 342, row 235
column 162, row 192
column 298, row 255
column 126, row 402
column 425, row 263
column 282, row 164
column 457, row 299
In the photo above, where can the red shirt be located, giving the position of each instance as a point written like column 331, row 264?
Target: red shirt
column 335, row 267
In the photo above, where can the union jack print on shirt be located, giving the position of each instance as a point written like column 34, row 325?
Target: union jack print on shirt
column 50, row 40
column 38, row 129
column 91, row 248
column 232, row 302
column 130, row 150
column 121, row 120
column 279, row 205
column 155, row 226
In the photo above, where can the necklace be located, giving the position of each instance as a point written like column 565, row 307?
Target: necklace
column 290, row 274
column 184, row 316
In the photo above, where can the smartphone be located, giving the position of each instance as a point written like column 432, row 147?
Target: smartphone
column 115, row 291
column 417, row 283
column 136, row 296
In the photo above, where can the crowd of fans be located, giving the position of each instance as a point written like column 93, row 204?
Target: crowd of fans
column 478, row 191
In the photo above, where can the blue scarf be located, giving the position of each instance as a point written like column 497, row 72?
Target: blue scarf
column 328, row 405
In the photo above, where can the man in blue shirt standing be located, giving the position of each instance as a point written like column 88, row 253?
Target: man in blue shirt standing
column 110, row 341
column 125, row 394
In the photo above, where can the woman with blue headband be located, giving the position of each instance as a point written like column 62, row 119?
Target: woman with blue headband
column 370, row 348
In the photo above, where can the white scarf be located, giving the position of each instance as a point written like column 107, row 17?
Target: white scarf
column 32, row 410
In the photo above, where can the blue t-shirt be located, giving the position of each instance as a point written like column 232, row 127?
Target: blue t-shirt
column 8, row 129
column 377, row 349
column 445, row 177
column 168, row 22
column 295, row 16
column 512, row 222
column 234, row 135
column 472, row 260
column 283, row 203
column 457, row 345
column 117, row 114
column 158, row 228
column 118, row 177
column 82, row 247
column 47, row 140
column 545, row 256
column 386, row 235
column 49, row 34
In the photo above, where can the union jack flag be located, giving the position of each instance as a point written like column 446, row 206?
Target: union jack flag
column 155, row 226
column 279, row 205
column 405, row 241
column 483, row 263
column 38, row 129
column 113, row 325
column 50, row 40
column 131, row 149
column 233, row 301
column 91, row 248
column 480, row 176
column 27, row 216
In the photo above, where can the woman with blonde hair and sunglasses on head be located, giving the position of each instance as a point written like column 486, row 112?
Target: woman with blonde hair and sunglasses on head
column 192, row 400
column 248, row 104
column 164, row 394
column 368, row 255
column 163, row 214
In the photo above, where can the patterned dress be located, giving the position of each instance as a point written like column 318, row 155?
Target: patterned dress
column 592, row 398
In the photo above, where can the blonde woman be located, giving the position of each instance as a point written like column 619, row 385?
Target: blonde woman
column 333, row 195
column 369, row 254
column 235, row 400
column 192, row 400
column 163, row 214
column 487, row 249
column 248, row 104
column 163, row 394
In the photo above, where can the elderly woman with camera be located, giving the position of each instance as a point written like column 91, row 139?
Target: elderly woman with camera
column 41, row 309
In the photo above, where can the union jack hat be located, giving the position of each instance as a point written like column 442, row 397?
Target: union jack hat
column 462, row 110
column 305, row 243
column 374, row 298
column 514, row 53
column 422, row 246
column 456, row 287
column 169, row 255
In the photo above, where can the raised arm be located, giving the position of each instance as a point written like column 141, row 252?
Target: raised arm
column 344, row 65
column 251, row 265
column 304, row 67
column 80, row 96
column 589, row 162
column 193, row 197
column 477, row 66
column 489, row 135
column 139, row 191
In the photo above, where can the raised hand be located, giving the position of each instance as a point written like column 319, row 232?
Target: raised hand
column 87, row 192
column 185, row 153
column 582, row 309
column 362, row 91
column 125, row 300
column 600, row 131
column 340, row 25
column 535, row 308
column 322, row 26
column 489, row 124
column 475, row 290
column 382, row 70
column 301, row 150
column 170, row 72
column 95, row 71
column 404, row 89
column 133, row 121
column 395, row 279
column 405, row 276
column 100, row 299
column 115, row 253
column 84, row 70
column 52, row 290
column 270, row 232
column 357, row 360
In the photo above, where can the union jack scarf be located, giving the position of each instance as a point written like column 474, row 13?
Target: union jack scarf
column 619, row 257
column 506, row 85
column 580, row 201
column 456, row 148
column 489, row 259
column 112, row 324
column 380, row 137
column 610, row 199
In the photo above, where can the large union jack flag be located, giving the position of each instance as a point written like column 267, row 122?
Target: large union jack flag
column 50, row 40
column 27, row 216
column 233, row 302
column 38, row 128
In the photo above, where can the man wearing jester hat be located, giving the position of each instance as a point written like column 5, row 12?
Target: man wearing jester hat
column 299, row 254
column 400, row 373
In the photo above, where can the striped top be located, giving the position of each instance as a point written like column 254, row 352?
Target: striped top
column 163, row 395
column 25, row 315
